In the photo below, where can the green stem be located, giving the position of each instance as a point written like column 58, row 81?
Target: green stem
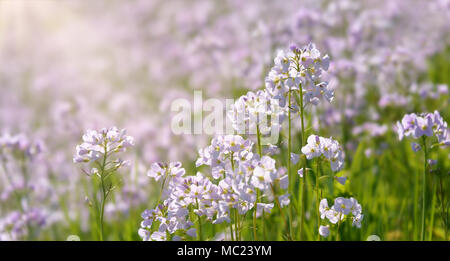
column 258, row 134
column 424, row 176
column 162, row 189
column 289, row 161
column 443, row 210
column 277, row 202
column 236, row 228
column 104, row 195
column 302, row 214
column 318, row 198
column 199, row 234
column 416, row 207
column 231, row 229
column 433, row 202
column 232, row 160
column 102, row 211
column 239, row 228
column 338, row 232
column 254, row 216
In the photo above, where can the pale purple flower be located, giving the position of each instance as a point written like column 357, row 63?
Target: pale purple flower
column 432, row 162
column 341, row 180
column 329, row 148
column 426, row 124
column 284, row 200
column 260, row 207
column 105, row 143
column 158, row 236
column 294, row 158
column 415, row 147
column 324, row 231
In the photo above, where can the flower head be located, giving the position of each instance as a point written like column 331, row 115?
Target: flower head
column 331, row 150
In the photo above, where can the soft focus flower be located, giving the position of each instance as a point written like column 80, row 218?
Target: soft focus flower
column 159, row 170
column 341, row 180
column 103, row 144
column 425, row 124
column 324, row 231
column 415, row 147
column 299, row 67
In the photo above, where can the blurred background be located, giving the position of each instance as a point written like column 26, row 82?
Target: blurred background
column 67, row 66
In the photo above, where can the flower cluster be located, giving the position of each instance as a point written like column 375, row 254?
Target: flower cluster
column 240, row 173
column 19, row 145
column 223, row 152
column 342, row 209
column 17, row 224
column 255, row 110
column 171, row 217
column 329, row 148
column 424, row 124
column 299, row 68
column 98, row 146
column 159, row 170
column 237, row 174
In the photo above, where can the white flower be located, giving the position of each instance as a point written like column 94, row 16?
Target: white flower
column 311, row 151
column 282, row 60
column 296, row 67
column 343, row 205
column 262, row 206
column 98, row 144
column 329, row 148
column 284, row 200
column 294, row 158
column 158, row 236
column 323, row 208
column 334, row 216
column 342, row 208
column 256, row 109
column 144, row 234
column 356, row 220
column 324, row 231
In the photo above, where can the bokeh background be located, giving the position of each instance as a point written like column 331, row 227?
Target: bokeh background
column 68, row 65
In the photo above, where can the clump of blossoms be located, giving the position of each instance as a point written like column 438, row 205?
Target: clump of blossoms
column 17, row 225
column 299, row 68
column 238, row 178
column 253, row 111
column 241, row 181
column 326, row 147
column 244, row 178
column 297, row 79
column 103, row 144
column 170, row 219
column 424, row 126
column 182, row 196
column 99, row 149
column 342, row 210
column 19, row 146
column 16, row 153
